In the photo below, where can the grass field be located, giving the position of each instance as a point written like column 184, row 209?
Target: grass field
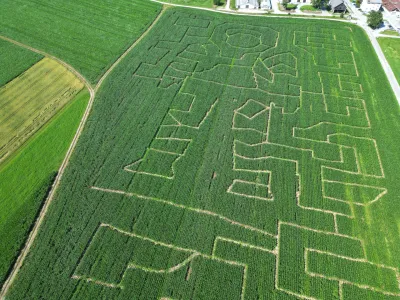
column 230, row 157
column 391, row 49
column 88, row 35
column 30, row 100
column 25, row 179
column 14, row 60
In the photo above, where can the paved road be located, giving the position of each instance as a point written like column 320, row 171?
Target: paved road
column 384, row 62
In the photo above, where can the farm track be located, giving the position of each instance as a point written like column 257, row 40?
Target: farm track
column 92, row 91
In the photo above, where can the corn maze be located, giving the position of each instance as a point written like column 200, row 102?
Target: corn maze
column 238, row 159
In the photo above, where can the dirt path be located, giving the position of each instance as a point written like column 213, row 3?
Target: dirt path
column 92, row 91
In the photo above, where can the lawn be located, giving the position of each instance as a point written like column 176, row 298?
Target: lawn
column 391, row 49
column 309, row 8
column 27, row 176
column 14, row 60
column 230, row 157
column 88, row 35
column 390, row 32
column 31, row 99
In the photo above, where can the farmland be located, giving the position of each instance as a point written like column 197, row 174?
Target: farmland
column 14, row 60
column 198, row 3
column 230, row 157
column 391, row 49
column 31, row 99
column 88, row 35
column 27, row 176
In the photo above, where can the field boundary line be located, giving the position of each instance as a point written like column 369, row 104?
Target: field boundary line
column 68, row 66
column 92, row 91
column 105, row 75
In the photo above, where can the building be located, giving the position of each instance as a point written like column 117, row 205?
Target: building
column 250, row 4
column 338, row 6
column 370, row 5
column 266, row 4
column 392, row 5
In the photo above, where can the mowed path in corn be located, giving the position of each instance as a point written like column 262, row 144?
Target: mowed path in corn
column 30, row 100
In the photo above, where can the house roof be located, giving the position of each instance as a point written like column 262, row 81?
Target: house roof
column 335, row 3
column 391, row 5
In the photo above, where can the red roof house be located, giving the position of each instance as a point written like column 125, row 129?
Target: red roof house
column 391, row 5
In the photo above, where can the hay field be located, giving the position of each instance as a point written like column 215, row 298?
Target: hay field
column 31, row 99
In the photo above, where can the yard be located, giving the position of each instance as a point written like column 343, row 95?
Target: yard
column 391, row 49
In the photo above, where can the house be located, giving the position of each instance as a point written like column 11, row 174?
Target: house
column 370, row 5
column 338, row 6
column 251, row 4
column 392, row 5
column 265, row 4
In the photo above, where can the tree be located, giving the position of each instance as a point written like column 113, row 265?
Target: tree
column 285, row 3
column 217, row 2
column 374, row 19
column 316, row 3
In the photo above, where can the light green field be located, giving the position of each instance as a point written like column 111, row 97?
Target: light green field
column 390, row 32
column 27, row 176
column 31, row 99
column 230, row 157
column 89, row 35
column 14, row 60
column 391, row 49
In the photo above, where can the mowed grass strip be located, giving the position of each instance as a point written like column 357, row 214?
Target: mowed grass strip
column 30, row 100
column 14, row 60
column 89, row 35
column 391, row 48
column 26, row 178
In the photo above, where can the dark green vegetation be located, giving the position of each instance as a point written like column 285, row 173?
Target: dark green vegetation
column 26, row 177
column 230, row 157
column 14, row 60
column 88, row 35
column 374, row 19
column 391, row 48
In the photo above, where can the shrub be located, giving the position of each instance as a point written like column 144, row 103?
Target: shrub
column 291, row 6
